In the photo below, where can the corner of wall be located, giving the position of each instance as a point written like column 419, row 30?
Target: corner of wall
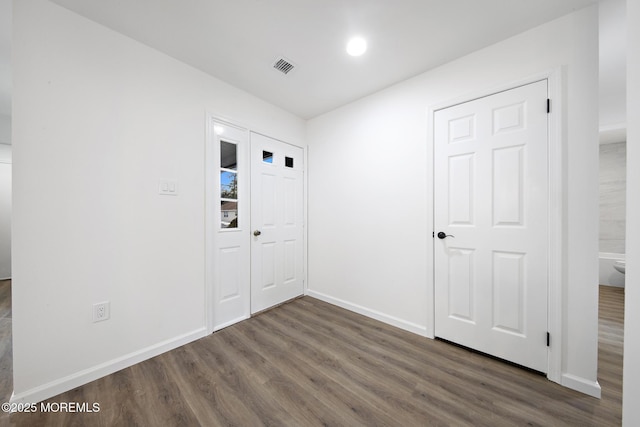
column 631, row 373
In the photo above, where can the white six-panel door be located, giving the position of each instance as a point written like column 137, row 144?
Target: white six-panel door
column 491, row 199
column 277, row 222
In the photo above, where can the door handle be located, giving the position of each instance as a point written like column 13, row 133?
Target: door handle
column 442, row 235
column 257, row 233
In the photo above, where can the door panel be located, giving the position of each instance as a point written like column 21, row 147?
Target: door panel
column 461, row 284
column 461, row 199
column 230, row 286
column 491, row 197
column 277, row 221
column 507, row 186
column 508, row 291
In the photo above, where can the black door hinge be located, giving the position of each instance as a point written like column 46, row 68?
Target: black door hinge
column 548, row 105
column 548, row 339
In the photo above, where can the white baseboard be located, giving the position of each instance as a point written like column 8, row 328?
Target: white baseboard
column 592, row 388
column 385, row 318
column 53, row 388
column 229, row 323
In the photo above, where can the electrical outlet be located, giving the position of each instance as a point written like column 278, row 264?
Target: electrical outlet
column 101, row 311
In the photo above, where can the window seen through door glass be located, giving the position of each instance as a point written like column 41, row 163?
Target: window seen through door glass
column 267, row 157
column 228, row 155
column 228, row 185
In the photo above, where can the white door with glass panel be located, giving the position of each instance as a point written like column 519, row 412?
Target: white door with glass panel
column 277, row 247
column 228, row 223
column 491, row 224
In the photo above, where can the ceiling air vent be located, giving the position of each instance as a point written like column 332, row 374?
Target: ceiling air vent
column 283, row 65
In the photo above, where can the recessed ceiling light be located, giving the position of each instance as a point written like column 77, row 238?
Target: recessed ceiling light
column 356, row 46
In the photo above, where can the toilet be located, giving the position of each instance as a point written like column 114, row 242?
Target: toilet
column 620, row 266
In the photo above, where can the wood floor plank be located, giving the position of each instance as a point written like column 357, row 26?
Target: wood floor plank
column 213, row 399
column 6, row 357
column 320, row 379
column 6, row 346
column 309, row 363
column 366, row 373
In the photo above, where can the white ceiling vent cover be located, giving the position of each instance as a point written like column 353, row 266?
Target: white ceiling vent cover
column 283, row 65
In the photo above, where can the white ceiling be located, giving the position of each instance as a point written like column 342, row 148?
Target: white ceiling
column 238, row 41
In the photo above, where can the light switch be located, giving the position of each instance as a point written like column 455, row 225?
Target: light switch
column 167, row 187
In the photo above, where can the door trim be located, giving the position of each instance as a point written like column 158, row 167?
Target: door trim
column 555, row 213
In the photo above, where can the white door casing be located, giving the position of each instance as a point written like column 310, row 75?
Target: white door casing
column 5, row 220
column 491, row 192
column 277, row 248
column 228, row 241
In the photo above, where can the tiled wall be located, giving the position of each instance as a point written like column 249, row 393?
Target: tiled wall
column 613, row 185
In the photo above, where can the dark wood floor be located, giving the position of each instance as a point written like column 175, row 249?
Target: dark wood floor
column 308, row 363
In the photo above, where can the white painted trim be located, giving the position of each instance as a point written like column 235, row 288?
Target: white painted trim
column 592, row 388
column 276, row 139
column 305, row 225
column 231, row 322
column 430, row 261
column 472, row 96
column 557, row 184
column 77, row 379
column 556, row 143
column 385, row 318
column 208, row 224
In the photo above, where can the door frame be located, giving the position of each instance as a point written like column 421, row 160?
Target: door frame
column 556, row 178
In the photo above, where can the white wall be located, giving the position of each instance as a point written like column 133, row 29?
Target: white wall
column 613, row 195
column 613, row 73
column 631, row 382
column 98, row 120
column 373, row 154
column 5, row 129
column 5, row 153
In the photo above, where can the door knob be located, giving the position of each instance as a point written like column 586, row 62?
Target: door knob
column 257, row 233
column 442, row 235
